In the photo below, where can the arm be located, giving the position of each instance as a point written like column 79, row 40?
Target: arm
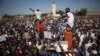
column 64, row 15
column 31, row 9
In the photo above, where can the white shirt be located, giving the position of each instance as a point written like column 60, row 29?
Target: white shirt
column 38, row 14
column 70, row 19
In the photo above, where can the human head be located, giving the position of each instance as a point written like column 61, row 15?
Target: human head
column 67, row 10
column 38, row 10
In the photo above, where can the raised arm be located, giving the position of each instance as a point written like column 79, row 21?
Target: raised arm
column 31, row 9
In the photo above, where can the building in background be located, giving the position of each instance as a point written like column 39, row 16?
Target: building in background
column 54, row 9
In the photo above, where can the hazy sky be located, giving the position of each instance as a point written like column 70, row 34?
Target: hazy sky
column 14, row 7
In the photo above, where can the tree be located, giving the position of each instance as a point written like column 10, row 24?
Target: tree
column 82, row 12
column 44, row 14
column 60, row 12
column 7, row 17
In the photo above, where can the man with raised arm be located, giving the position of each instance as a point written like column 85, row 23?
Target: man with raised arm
column 37, row 13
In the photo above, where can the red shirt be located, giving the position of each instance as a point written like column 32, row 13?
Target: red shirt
column 40, row 26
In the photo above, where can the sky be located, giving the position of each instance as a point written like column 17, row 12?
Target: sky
column 15, row 7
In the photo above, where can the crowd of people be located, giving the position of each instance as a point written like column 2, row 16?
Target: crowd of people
column 26, row 37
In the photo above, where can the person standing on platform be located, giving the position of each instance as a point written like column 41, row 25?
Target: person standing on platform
column 67, row 26
column 69, row 20
column 68, row 37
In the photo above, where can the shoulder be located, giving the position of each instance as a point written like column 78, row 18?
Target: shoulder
column 69, row 13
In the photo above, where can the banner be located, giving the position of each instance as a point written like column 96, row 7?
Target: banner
column 2, row 38
column 47, row 35
column 64, row 45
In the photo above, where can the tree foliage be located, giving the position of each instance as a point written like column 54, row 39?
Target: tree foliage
column 60, row 12
column 44, row 14
column 7, row 17
column 82, row 12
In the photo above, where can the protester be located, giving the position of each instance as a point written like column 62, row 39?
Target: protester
column 40, row 28
column 27, row 39
column 69, row 20
column 38, row 13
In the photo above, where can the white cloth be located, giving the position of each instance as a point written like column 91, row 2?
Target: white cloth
column 38, row 14
column 94, row 51
column 70, row 19
column 64, row 45
column 93, row 35
column 81, row 40
column 87, row 53
column 79, row 34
